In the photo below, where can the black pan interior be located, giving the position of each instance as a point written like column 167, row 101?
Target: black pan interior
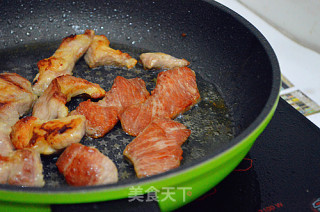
column 233, row 69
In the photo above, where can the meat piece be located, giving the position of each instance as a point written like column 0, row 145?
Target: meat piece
column 103, row 115
column 6, row 146
column 157, row 148
column 125, row 92
column 100, row 54
column 16, row 97
column 175, row 92
column 83, row 166
column 22, row 167
column 47, row 137
column 4, row 169
column 62, row 61
column 99, row 119
column 51, row 104
column 159, row 60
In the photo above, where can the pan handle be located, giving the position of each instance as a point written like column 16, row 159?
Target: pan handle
column 141, row 203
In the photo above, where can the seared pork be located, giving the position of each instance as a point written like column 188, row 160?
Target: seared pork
column 83, row 166
column 175, row 92
column 16, row 97
column 100, row 54
column 159, row 60
column 103, row 115
column 62, row 61
column 157, row 148
column 22, row 167
column 47, row 137
column 51, row 104
column 6, row 146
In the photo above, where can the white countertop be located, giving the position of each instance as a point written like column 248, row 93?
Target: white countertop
column 300, row 65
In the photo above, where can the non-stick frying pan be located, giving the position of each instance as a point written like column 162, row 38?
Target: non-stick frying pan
column 237, row 74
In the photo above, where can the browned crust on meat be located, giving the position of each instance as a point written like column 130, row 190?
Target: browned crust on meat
column 8, row 79
column 24, row 127
column 47, row 137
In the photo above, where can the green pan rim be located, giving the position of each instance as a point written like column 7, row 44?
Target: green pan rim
column 173, row 177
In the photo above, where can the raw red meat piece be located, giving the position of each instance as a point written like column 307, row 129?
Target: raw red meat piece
column 102, row 116
column 176, row 92
column 158, row 147
column 82, row 166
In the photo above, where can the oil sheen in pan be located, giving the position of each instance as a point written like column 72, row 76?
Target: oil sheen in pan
column 210, row 120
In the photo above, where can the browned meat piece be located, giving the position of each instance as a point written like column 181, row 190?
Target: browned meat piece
column 159, row 60
column 23, row 168
column 16, row 97
column 4, row 169
column 157, row 148
column 51, row 104
column 6, row 146
column 176, row 92
column 83, row 166
column 103, row 115
column 100, row 54
column 62, row 61
column 47, row 137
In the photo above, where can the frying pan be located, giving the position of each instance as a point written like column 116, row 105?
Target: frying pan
column 237, row 74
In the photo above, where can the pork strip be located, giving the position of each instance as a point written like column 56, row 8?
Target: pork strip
column 51, row 104
column 6, row 146
column 47, row 137
column 100, row 54
column 62, row 61
column 16, row 97
column 159, row 60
